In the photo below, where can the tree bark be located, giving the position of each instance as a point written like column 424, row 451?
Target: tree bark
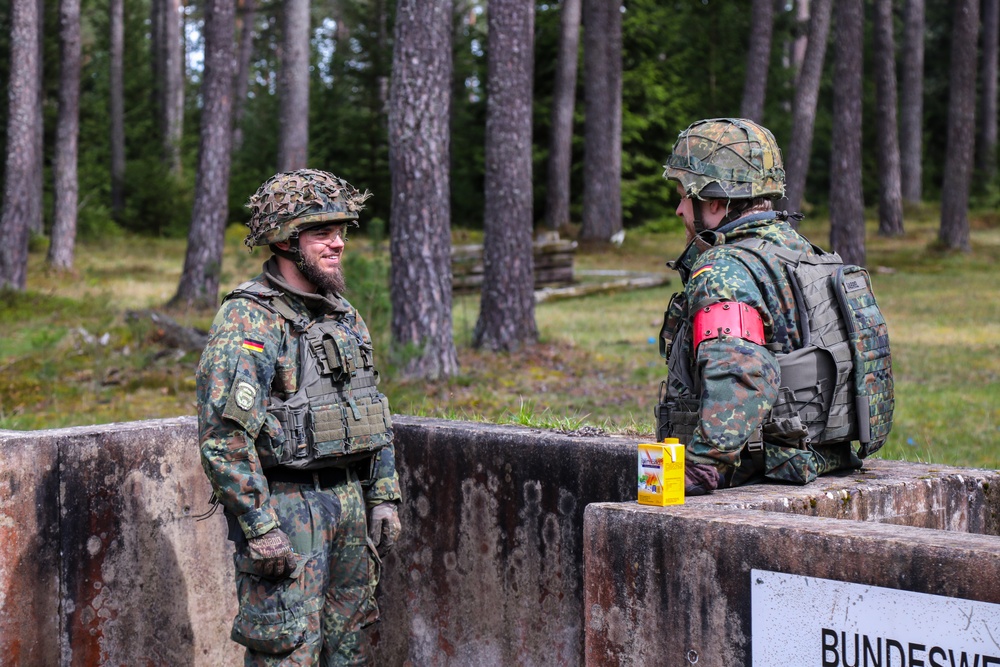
column 758, row 60
column 563, row 103
column 116, row 10
column 246, row 22
column 987, row 145
column 293, row 87
column 602, row 163
column 199, row 283
column 847, row 207
column 954, row 231
column 801, row 40
column 890, row 202
column 172, row 114
column 911, row 101
column 38, row 138
column 22, row 168
column 420, row 218
column 804, row 105
column 507, row 307
column 64, row 168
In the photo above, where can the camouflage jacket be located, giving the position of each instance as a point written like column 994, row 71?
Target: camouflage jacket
column 245, row 330
column 733, row 382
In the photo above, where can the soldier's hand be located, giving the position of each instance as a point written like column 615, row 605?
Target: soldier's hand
column 273, row 552
column 700, row 479
column 384, row 526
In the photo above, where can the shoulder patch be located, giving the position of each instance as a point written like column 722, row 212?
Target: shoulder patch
column 700, row 271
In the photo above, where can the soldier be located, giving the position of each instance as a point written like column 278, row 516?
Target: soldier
column 295, row 438
column 736, row 395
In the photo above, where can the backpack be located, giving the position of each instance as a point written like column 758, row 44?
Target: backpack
column 838, row 387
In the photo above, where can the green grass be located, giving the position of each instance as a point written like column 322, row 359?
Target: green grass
column 594, row 367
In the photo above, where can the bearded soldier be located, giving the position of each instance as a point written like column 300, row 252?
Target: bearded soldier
column 778, row 357
column 295, row 437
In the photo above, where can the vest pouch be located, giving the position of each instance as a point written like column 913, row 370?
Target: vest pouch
column 869, row 338
column 787, row 464
column 327, row 430
column 367, row 426
column 799, row 416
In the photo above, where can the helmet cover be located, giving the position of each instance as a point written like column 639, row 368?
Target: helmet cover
column 727, row 158
column 292, row 201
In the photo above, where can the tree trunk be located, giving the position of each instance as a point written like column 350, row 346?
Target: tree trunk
column 65, row 183
column 293, row 87
column 987, row 162
column 890, row 202
column 21, row 166
column 954, row 231
column 172, row 113
column 804, row 105
column 911, row 101
column 420, row 218
column 602, row 163
column 116, row 10
column 847, row 206
column 38, row 139
column 563, row 104
column 199, row 283
column 246, row 20
column 801, row 36
column 758, row 60
column 507, row 308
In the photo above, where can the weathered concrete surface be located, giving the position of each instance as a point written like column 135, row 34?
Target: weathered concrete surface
column 490, row 571
column 29, row 552
column 139, row 580
column 662, row 582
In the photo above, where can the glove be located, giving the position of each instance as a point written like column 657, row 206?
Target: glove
column 273, row 553
column 700, row 479
column 384, row 526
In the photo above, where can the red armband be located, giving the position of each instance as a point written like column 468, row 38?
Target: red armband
column 728, row 318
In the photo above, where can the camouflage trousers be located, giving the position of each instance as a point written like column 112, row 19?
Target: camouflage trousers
column 797, row 466
column 317, row 615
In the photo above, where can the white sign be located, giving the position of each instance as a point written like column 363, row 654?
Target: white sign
column 801, row 621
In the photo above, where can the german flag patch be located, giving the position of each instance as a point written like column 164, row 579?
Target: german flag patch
column 253, row 345
column 700, row 271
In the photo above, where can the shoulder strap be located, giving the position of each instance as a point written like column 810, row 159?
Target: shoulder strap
column 271, row 299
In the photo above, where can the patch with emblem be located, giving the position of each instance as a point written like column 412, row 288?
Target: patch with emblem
column 246, row 393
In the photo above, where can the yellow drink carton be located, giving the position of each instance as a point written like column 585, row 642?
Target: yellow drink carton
column 661, row 473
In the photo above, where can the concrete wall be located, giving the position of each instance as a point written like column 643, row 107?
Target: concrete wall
column 515, row 549
column 665, row 586
column 103, row 561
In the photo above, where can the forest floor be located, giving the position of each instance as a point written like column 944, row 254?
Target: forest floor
column 71, row 355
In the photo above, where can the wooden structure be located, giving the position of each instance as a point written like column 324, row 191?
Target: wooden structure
column 553, row 263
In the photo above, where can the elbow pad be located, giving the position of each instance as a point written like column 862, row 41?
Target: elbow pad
column 728, row 318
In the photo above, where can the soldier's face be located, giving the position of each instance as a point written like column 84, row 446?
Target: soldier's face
column 322, row 249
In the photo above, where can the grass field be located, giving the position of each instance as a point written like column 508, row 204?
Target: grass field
column 69, row 355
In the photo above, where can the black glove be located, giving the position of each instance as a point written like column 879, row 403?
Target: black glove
column 700, row 479
column 273, row 552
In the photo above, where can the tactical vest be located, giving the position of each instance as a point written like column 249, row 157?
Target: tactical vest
column 837, row 388
column 336, row 415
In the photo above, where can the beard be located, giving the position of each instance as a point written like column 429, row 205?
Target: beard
column 323, row 280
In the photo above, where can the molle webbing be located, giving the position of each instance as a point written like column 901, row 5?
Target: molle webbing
column 838, row 387
column 337, row 412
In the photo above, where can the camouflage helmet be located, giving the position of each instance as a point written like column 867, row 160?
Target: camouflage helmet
column 727, row 158
column 292, row 201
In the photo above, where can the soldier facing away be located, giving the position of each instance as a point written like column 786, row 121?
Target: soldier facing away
column 295, row 437
column 778, row 357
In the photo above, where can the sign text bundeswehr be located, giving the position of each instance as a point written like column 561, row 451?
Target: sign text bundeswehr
column 810, row 622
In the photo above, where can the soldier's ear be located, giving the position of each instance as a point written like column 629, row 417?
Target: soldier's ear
column 283, row 245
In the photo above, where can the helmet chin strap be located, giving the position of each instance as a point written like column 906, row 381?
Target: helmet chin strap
column 293, row 254
column 699, row 222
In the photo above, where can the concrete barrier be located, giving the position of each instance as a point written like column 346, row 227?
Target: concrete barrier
column 511, row 552
column 676, row 585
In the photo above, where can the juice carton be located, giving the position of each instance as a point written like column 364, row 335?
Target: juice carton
column 661, row 473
